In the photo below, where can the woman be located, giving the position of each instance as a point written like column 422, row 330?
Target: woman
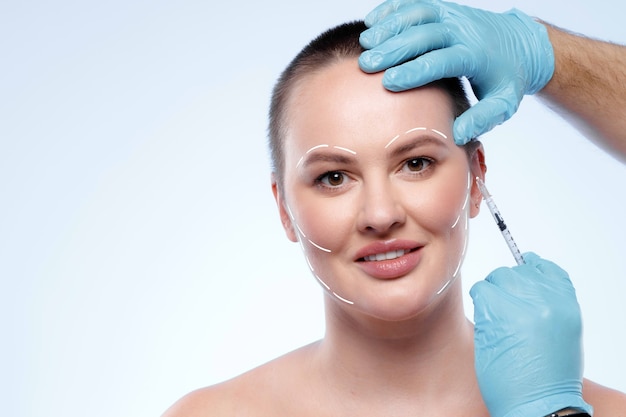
column 372, row 186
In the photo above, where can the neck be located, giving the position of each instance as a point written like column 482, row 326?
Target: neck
column 425, row 359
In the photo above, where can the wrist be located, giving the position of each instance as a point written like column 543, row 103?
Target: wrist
column 541, row 407
column 570, row 412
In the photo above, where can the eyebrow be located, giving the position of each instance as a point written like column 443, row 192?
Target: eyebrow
column 313, row 156
column 325, row 157
column 416, row 143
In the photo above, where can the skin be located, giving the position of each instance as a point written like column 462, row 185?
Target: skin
column 402, row 346
column 587, row 88
column 352, row 200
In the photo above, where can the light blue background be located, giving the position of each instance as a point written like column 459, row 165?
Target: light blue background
column 141, row 255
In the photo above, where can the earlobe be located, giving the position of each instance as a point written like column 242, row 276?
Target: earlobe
column 285, row 218
column 478, row 168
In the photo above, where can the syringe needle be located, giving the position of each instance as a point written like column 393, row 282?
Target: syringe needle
column 500, row 222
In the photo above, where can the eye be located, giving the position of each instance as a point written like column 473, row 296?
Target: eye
column 331, row 179
column 418, row 164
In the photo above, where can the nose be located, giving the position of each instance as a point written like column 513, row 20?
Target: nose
column 381, row 208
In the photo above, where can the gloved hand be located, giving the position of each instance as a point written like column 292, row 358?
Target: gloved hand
column 503, row 55
column 528, row 340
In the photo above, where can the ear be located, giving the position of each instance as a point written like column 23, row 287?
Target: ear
column 478, row 168
column 285, row 218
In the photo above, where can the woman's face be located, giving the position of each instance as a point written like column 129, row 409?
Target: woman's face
column 376, row 191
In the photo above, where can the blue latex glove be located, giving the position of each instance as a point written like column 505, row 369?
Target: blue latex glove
column 503, row 55
column 528, row 340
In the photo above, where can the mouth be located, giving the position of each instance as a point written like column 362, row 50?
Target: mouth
column 391, row 259
column 386, row 256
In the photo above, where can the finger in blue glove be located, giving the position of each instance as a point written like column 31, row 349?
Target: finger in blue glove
column 503, row 55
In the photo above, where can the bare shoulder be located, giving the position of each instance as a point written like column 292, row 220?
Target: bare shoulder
column 606, row 402
column 263, row 391
column 197, row 403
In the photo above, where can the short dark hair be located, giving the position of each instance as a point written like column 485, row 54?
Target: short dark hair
column 333, row 45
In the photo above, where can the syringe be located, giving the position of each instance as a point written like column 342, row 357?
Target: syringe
column 500, row 222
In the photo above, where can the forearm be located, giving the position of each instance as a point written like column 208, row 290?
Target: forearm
column 589, row 88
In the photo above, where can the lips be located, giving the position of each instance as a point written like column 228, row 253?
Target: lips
column 390, row 259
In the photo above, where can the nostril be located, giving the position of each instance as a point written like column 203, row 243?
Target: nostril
column 382, row 227
column 381, row 209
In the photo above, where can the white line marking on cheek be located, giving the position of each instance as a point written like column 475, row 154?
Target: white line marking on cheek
column 458, row 218
column 467, row 199
column 301, row 232
column 343, row 299
column 293, row 219
column 322, row 282
column 465, row 202
column 318, row 246
column 309, row 262
column 456, row 221
column 463, row 211
column 458, row 267
column 444, row 287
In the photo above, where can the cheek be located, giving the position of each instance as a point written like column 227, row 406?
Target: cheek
column 444, row 214
column 322, row 226
column 443, row 207
column 322, row 229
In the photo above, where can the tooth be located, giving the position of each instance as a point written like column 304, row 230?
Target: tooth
column 386, row 256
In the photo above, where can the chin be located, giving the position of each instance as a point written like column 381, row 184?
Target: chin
column 400, row 305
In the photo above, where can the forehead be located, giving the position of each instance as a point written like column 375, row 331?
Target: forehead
column 340, row 103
